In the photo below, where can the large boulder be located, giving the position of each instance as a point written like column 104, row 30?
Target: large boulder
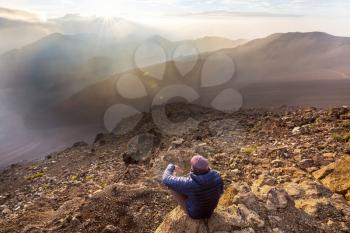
column 336, row 176
column 178, row 221
column 245, row 212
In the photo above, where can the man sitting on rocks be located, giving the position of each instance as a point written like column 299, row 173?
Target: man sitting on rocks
column 198, row 194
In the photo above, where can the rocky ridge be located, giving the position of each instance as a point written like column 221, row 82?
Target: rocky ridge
column 284, row 170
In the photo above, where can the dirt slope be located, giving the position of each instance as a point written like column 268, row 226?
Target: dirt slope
column 105, row 187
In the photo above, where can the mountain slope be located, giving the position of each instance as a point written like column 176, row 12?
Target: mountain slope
column 209, row 44
column 58, row 66
column 266, row 159
column 59, row 57
column 39, row 77
column 291, row 57
column 308, row 69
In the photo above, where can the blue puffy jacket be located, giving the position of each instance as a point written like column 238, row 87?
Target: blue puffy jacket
column 203, row 191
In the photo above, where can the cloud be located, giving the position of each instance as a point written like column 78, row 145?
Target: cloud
column 12, row 18
column 19, row 28
column 227, row 14
column 18, row 15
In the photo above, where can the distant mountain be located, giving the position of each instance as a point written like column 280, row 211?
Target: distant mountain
column 281, row 69
column 62, row 81
column 57, row 66
column 201, row 45
column 20, row 28
column 291, row 57
column 76, row 82
column 59, row 58
column 210, row 43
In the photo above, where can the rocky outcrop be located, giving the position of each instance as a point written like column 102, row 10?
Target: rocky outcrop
column 244, row 212
column 336, row 176
column 178, row 221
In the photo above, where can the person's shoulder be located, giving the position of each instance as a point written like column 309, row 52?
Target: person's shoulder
column 215, row 173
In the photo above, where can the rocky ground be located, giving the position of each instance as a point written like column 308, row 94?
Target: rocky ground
column 286, row 170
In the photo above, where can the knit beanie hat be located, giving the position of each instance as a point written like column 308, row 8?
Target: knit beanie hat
column 199, row 164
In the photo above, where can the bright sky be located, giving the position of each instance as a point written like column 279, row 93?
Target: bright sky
column 151, row 8
column 186, row 19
